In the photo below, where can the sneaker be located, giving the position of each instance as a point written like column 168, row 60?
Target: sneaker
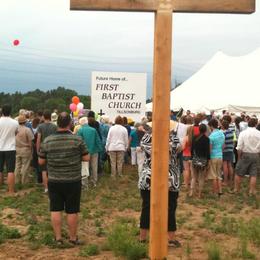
column 174, row 243
column 45, row 191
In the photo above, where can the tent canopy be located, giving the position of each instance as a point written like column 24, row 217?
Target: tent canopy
column 224, row 82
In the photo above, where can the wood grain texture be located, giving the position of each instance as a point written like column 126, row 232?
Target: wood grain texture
column 214, row 6
column 115, row 5
column 160, row 138
column 189, row 6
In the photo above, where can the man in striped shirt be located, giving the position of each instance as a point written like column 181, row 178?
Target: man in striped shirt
column 228, row 155
column 63, row 153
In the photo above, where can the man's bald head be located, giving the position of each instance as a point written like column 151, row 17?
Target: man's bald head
column 64, row 120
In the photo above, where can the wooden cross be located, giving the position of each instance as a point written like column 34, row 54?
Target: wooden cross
column 161, row 90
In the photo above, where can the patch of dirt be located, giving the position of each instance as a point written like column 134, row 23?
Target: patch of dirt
column 9, row 217
column 193, row 238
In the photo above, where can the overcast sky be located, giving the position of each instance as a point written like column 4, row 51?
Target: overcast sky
column 59, row 47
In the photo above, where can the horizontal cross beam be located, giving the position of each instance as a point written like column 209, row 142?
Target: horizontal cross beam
column 186, row 6
column 115, row 5
column 214, row 6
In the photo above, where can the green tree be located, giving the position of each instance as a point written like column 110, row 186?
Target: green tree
column 30, row 103
column 61, row 92
column 85, row 100
column 55, row 103
column 36, row 100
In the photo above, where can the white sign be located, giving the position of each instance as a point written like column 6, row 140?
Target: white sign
column 119, row 93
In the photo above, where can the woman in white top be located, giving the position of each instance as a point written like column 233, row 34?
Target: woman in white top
column 116, row 145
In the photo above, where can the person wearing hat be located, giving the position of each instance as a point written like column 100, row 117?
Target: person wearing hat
column 54, row 118
column 23, row 140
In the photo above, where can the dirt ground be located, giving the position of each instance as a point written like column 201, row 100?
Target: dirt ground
column 200, row 221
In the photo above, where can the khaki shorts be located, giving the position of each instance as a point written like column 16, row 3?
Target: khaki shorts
column 215, row 171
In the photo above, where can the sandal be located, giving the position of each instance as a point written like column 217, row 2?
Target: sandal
column 220, row 194
column 174, row 243
column 76, row 242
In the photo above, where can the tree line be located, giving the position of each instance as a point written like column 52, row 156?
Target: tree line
column 39, row 100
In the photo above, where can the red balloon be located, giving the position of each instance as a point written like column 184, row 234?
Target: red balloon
column 16, row 42
column 75, row 100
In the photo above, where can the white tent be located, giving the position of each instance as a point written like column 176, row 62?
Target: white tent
column 224, row 82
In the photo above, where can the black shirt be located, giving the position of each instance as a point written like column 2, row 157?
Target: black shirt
column 201, row 146
column 95, row 124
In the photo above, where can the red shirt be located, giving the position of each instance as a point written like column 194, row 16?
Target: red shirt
column 196, row 131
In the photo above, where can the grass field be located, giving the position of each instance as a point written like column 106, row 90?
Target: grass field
column 209, row 228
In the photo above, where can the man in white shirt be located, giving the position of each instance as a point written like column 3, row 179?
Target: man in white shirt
column 248, row 148
column 8, row 130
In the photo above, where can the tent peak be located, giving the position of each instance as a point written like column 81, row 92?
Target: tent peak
column 254, row 52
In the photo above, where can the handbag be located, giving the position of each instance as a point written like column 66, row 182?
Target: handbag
column 199, row 163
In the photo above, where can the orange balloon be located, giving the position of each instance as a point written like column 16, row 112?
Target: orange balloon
column 75, row 100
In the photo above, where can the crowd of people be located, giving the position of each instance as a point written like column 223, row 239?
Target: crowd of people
column 68, row 156
column 215, row 147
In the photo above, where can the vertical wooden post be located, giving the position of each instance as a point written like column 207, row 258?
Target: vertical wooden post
column 160, row 135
